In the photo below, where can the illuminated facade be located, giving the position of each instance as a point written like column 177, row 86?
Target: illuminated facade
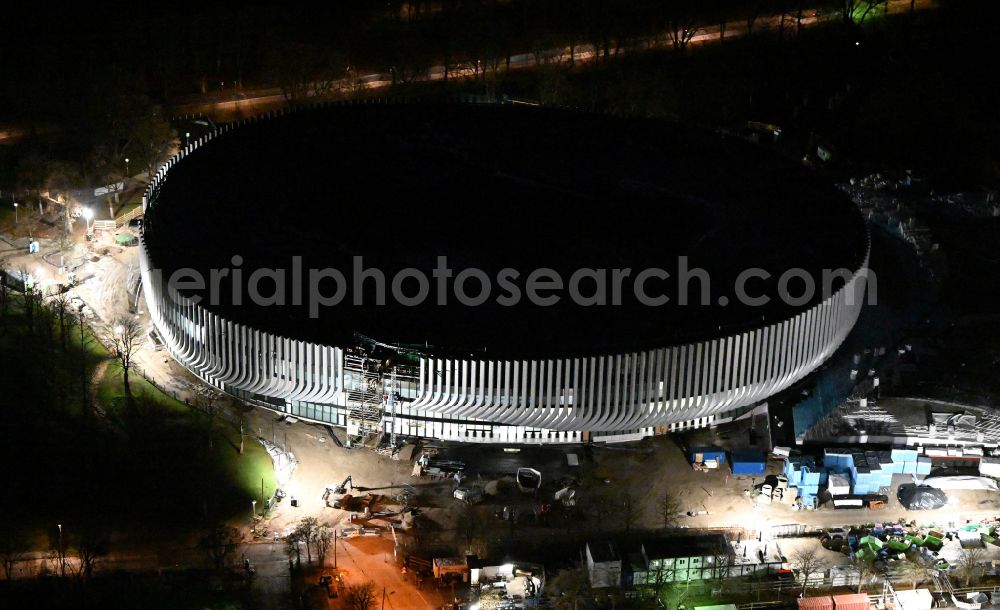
column 618, row 396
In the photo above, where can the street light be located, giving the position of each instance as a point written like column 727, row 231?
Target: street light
column 88, row 214
column 126, row 168
column 253, row 510
column 187, row 136
column 15, row 212
column 62, row 559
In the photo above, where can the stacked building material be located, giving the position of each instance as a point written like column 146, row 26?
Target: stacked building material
column 837, row 460
column 793, row 468
column 908, row 457
column 861, row 475
column 839, row 485
column 923, row 466
column 988, row 467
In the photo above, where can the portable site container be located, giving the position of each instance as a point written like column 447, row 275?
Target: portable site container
column 851, row 601
column 718, row 607
column 823, row 602
column 702, row 454
column 919, row 599
column 748, row 461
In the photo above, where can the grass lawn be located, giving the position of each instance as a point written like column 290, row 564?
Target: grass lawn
column 129, row 205
column 226, row 478
column 144, row 469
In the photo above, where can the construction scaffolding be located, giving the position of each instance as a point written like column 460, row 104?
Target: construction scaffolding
column 364, row 385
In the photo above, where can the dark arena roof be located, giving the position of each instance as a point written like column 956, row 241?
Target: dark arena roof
column 493, row 187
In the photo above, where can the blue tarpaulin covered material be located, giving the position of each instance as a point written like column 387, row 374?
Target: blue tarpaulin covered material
column 708, row 453
column 748, row 461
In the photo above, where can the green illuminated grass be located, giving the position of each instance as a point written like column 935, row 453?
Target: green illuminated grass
column 132, row 468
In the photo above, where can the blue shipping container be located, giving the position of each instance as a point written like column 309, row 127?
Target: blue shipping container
column 748, row 467
column 708, row 453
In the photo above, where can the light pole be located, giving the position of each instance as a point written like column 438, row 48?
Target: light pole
column 253, row 510
column 15, row 213
column 126, row 169
column 187, row 137
column 88, row 214
column 62, row 559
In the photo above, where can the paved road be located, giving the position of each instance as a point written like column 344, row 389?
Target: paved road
column 363, row 559
column 250, row 102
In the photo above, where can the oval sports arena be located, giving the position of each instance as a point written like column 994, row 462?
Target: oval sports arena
column 535, row 230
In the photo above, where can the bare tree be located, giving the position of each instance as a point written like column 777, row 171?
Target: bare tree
column 669, row 507
column 682, row 24
column 323, row 540
column 306, row 530
column 602, row 505
column 211, row 410
column 360, row 596
column 574, row 590
column 58, row 542
column 13, row 548
column 470, row 524
column 807, row 563
column 292, row 547
column 219, row 543
column 241, row 414
column 970, row 565
column 753, row 10
column 60, row 307
column 153, row 137
column 855, row 12
column 92, row 544
column 865, row 570
column 631, row 510
column 125, row 338
column 914, row 569
column 4, row 301
column 28, row 298
column 85, row 339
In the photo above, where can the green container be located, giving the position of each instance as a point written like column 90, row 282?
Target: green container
column 898, row 545
column 933, row 543
column 871, row 542
column 915, row 539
